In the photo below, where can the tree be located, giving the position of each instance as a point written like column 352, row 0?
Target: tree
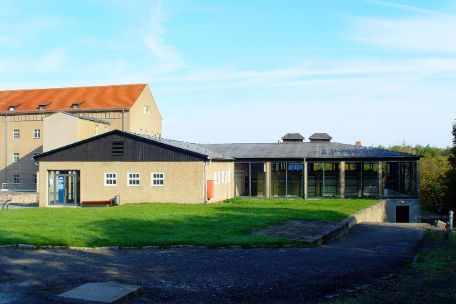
column 451, row 176
column 433, row 183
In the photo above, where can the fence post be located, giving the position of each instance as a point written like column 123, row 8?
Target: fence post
column 450, row 219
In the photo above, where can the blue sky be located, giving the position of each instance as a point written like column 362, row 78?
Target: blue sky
column 383, row 72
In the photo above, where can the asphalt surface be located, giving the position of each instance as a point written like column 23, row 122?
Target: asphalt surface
column 200, row 275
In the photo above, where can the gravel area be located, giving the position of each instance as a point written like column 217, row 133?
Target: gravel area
column 196, row 275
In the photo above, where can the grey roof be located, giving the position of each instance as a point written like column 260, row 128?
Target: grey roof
column 323, row 150
column 320, row 136
column 195, row 148
column 87, row 118
column 293, row 136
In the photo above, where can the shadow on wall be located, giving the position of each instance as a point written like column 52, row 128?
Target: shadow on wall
column 224, row 226
column 25, row 168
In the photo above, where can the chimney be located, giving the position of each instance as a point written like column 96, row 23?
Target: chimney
column 358, row 143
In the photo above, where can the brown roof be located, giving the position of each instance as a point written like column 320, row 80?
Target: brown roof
column 112, row 97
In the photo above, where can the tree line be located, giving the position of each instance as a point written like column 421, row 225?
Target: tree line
column 437, row 174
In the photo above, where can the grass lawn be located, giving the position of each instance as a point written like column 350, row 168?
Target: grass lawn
column 432, row 279
column 221, row 224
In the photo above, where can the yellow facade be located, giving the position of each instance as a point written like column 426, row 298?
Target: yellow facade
column 184, row 182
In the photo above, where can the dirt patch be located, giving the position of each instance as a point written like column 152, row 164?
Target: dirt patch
column 300, row 231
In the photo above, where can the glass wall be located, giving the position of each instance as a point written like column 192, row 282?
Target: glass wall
column 370, row 179
column 295, row 182
column 279, row 179
column 63, row 187
column 323, row 179
column 353, row 180
column 400, row 179
column 258, row 179
column 250, row 179
column 242, row 179
column 361, row 179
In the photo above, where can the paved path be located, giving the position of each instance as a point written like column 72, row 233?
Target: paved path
column 212, row 275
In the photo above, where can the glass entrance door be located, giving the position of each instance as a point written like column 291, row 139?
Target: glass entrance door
column 63, row 187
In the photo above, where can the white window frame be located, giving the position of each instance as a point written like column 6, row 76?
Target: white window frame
column 16, row 134
column 153, row 179
column 16, row 179
column 14, row 157
column 36, row 134
column 112, row 178
column 133, row 179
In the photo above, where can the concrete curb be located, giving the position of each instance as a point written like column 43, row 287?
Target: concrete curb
column 372, row 214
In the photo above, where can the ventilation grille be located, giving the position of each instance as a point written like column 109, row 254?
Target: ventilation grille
column 117, row 148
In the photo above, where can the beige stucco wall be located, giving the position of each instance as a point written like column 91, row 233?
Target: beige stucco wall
column 87, row 128
column 61, row 129
column 26, row 146
column 225, row 188
column 183, row 181
column 139, row 122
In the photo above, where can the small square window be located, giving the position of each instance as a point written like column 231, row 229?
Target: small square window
column 158, row 179
column 41, row 107
column 110, row 179
column 36, row 133
column 75, row 106
column 134, row 179
column 12, row 108
column 15, row 157
column 16, row 179
column 16, row 134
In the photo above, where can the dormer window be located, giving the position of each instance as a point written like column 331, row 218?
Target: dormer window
column 75, row 106
column 12, row 108
column 41, row 107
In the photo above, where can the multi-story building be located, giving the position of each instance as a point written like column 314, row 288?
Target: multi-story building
column 23, row 115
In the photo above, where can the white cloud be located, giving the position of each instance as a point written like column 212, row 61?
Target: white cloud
column 428, row 30
column 166, row 56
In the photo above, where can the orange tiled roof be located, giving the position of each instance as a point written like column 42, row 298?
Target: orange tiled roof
column 61, row 99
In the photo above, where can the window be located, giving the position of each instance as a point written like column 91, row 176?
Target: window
column 110, row 179
column 158, row 179
column 16, row 179
column 41, row 107
column 147, row 110
column 36, row 133
column 75, row 106
column 34, row 179
column 12, row 108
column 134, row 179
column 15, row 157
column 16, row 134
column 117, row 148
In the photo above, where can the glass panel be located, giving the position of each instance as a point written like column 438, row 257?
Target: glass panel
column 258, row 179
column 314, row 179
column 295, row 179
column 241, row 177
column 353, row 179
column 400, row 179
column 331, row 179
column 278, row 179
column 370, row 179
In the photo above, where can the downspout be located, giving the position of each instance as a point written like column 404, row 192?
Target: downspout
column 123, row 120
column 6, row 148
column 205, row 181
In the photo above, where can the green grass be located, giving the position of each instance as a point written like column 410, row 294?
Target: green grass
column 432, row 279
column 221, row 224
